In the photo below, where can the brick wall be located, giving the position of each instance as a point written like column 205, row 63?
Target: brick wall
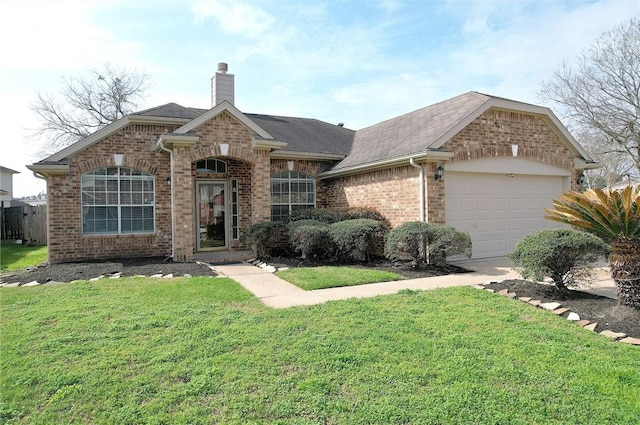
column 394, row 192
column 66, row 242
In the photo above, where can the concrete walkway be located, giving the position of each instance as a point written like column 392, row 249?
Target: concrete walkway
column 277, row 293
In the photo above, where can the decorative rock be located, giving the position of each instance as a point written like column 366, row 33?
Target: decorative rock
column 583, row 322
column 573, row 317
column 32, row 283
column 525, row 299
column 251, row 260
column 186, row 275
column 116, row 276
column 270, row 269
column 503, row 292
column 535, row 303
column 477, row 286
column 560, row 311
column 630, row 340
column 489, row 289
column 550, row 306
column 592, row 326
column 156, row 275
column 93, row 279
column 12, row 285
column 511, row 295
column 613, row 335
column 168, row 276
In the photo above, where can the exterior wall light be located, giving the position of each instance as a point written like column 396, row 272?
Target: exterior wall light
column 439, row 172
column 168, row 181
column 580, row 179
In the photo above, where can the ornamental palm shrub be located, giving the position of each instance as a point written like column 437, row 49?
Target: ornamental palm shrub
column 564, row 255
column 614, row 215
column 355, row 238
column 312, row 240
column 426, row 243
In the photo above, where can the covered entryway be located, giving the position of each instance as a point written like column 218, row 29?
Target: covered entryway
column 211, row 210
column 499, row 209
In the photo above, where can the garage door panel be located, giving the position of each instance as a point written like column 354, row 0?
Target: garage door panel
column 498, row 210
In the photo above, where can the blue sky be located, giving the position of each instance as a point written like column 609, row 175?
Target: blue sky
column 356, row 62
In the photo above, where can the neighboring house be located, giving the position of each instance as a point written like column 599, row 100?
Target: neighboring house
column 173, row 180
column 6, row 186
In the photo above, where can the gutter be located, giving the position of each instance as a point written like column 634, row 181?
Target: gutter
column 173, row 210
column 422, row 187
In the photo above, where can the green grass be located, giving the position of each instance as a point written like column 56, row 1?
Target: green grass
column 14, row 256
column 204, row 350
column 310, row 278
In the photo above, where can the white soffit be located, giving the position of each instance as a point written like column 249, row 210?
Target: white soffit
column 506, row 165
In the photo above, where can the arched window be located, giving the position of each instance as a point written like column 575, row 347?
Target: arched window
column 291, row 191
column 117, row 200
column 211, row 165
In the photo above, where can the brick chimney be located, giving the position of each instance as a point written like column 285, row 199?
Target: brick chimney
column 222, row 86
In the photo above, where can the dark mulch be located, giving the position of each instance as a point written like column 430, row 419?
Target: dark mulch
column 602, row 310
column 68, row 272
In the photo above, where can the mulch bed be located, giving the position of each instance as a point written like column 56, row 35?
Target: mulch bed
column 595, row 308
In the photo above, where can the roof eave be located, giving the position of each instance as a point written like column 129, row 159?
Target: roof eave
column 49, row 169
column 426, row 156
column 312, row 156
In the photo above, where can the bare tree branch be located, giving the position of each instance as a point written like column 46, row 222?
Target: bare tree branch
column 600, row 97
column 85, row 105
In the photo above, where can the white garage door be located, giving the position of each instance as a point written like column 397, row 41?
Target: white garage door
column 498, row 210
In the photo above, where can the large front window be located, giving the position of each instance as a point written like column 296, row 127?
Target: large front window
column 291, row 191
column 117, row 200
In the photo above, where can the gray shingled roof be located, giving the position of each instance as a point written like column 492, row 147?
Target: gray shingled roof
column 410, row 133
column 305, row 134
column 171, row 110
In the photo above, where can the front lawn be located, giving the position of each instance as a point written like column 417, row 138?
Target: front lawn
column 204, row 350
column 14, row 256
column 309, row 278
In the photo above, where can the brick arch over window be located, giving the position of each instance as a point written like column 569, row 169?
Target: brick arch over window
column 312, row 168
column 107, row 161
column 505, row 151
column 235, row 152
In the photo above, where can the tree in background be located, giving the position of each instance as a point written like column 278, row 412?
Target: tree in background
column 599, row 97
column 85, row 105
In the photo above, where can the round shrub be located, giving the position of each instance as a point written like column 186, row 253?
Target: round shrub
column 325, row 215
column 293, row 225
column 564, row 255
column 312, row 241
column 263, row 237
column 355, row 238
column 426, row 243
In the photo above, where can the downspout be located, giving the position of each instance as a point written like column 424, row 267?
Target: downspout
column 421, row 168
column 173, row 210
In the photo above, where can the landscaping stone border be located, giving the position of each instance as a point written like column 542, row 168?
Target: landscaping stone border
column 557, row 309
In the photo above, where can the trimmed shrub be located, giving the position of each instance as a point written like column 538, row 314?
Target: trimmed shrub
column 263, row 237
column 426, row 243
column 312, row 241
column 325, row 215
column 293, row 225
column 564, row 255
column 334, row 215
column 363, row 212
column 355, row 238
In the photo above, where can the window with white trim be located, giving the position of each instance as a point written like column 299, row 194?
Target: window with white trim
column 291, row 191
column 117, row 200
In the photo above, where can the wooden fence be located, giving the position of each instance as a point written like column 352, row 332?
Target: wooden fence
column 28, row 223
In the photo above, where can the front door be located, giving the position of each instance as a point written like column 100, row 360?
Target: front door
column 211, row 212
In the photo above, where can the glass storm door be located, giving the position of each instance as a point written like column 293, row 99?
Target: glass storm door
column 211, row 211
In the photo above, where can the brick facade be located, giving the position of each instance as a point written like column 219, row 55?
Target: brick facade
column 394, row 192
